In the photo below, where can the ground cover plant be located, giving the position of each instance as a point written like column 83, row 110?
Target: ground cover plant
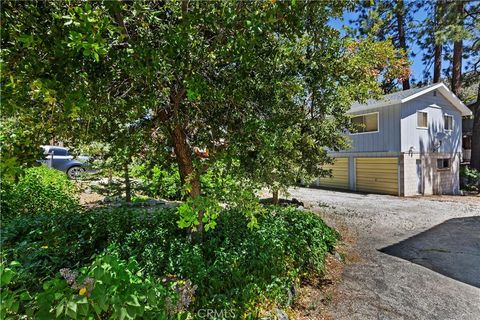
column 243, row 269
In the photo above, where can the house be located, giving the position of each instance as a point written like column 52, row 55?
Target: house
column 408, row 143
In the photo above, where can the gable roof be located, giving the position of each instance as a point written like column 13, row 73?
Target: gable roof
column 407, row 95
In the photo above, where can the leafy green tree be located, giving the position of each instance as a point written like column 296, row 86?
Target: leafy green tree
column 387, row 19
column 214, row 75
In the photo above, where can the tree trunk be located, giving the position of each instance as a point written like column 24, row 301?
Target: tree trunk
column 437, row 62
column 188, row 175
column 128, row 189
column 475, row 159
column 275, row 197
column 457, row 66
column 401, row 36
column 457, row 55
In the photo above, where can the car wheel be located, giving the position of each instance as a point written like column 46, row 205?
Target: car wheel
column 75, row 171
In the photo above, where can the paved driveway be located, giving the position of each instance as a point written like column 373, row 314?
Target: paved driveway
column 419, row 257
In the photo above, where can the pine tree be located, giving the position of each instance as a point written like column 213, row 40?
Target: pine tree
column 459, row 16
column 430, row 40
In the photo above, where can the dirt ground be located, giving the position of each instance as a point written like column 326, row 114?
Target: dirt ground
column 407, row 258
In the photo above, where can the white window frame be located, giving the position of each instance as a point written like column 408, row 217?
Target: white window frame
column 417, row 119
column 366, row 114
column 444, row 122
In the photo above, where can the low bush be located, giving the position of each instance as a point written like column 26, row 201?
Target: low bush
column 164, row 181
column 45, row 243
column 235, row 268
column 470, row 179
column 108, row 288
column 158, row 182
column 40, row 190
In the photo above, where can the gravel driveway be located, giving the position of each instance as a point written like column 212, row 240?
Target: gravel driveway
column 419, row 257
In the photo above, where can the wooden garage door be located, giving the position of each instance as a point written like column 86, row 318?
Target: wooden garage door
column 339, row 177
column 377, row 175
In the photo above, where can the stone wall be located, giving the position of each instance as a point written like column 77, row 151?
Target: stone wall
column 434, row 180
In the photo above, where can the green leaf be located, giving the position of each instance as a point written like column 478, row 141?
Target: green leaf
column 6, row 276
column 133, row 301
column 124, row 314
column 72, row 309
column 83, row 306
column 59, row 309
column 25, row 296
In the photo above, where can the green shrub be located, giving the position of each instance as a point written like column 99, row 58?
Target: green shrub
column 41, row 190
column 470, row 178
column 11, row 299
column 235, row 268
column 159, row 182
column 164, row 181
column 108, row 288
column 44, row 243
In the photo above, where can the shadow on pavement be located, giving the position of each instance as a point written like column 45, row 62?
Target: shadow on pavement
column 451, row 248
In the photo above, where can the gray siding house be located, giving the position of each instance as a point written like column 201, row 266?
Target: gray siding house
column 408, row 143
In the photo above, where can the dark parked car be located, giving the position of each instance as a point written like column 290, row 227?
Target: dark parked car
column 59, row 158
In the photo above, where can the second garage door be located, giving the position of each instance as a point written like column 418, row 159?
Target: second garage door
column 339, row 178
column 377, row 175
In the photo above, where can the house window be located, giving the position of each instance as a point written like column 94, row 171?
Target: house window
column 448, row 122
column 422, row 119
column 366, row 123
column 443, row 163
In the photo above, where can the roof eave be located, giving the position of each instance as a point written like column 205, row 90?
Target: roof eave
column 365, row 107
column 450, row 96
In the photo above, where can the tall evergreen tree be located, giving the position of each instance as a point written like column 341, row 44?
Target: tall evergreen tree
column 430, row 40
column 459, row 16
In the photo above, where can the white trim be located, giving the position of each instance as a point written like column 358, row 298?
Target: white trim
column 421, row 93
column 442, row 88
column 418, row 111
column 450, row 96
column 366, row 114
column 371, row 154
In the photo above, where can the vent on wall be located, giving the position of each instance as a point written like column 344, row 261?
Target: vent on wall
column 434, row 93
